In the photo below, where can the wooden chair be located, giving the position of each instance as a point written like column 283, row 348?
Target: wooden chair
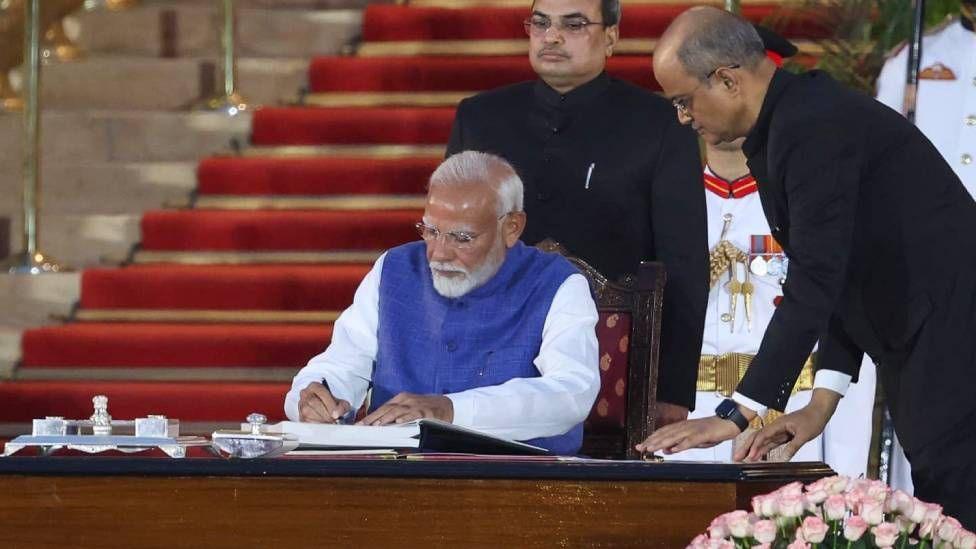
column 629, row 336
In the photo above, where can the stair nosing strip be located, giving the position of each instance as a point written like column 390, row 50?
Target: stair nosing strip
column 350, row 202
column 346, row 151
column 513, row 46
column 255, row 258
column 205, row 316
column 150, row 373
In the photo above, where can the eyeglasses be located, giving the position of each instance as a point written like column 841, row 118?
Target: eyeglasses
column 683, row 103
column 572, row 26
column 454, row 239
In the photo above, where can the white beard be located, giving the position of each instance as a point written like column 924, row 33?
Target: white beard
column 458, row 285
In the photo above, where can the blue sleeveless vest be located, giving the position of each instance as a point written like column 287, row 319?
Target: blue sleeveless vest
column 430, row 344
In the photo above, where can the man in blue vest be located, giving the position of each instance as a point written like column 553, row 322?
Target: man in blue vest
column 467, row 325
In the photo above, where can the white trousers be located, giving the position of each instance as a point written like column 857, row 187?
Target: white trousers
column 846, row 440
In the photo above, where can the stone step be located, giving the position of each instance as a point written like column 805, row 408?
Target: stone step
column 75, row 137
column 176, row 29
column 106, row 188
column 81, row 240
column 133, row 83
column 29, row 301
column 9, row 346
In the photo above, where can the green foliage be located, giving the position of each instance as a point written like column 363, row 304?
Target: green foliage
column 863, row 33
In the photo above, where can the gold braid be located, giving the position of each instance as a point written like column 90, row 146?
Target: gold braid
column 722, row 256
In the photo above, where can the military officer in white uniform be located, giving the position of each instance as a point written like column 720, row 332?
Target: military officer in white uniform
column 946, row 105
column 738, row 236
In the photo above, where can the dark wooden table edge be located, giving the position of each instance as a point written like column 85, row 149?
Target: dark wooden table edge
column 400, row 468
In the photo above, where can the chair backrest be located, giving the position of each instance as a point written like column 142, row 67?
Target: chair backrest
column 629, row 336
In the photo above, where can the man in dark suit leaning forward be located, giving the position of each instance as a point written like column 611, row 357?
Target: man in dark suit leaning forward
column 881, row 237
column 608, row 172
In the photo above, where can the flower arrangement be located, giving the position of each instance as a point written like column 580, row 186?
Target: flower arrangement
column 836, row 513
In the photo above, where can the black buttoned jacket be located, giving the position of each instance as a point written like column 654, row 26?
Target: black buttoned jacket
column 881, row 236
column 611, row 175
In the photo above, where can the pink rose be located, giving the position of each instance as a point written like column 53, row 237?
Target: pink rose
column 798, row 544
column 965, row 540
column 790, row 505
column 764, row 531
column 718, row 529
column 764, row 506
column 816, row 497
column 738, row 524
column 854, row 528
column 762, row 546
column 769, row 506
column 757, row 505
column 885, row 534
column 898, row 501
column 838, row 484
column 904, row 524
column 948, row 529
column 820, row 484
column 792, row 489
column 918, row 510
column 927, row 528
column 700, row 542
column 872, row 511
column 854, row 499
column 934, row 512
column 814, row 529
column 878, row 490
column 835, row 507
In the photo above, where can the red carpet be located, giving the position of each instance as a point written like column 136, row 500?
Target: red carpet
column 23, row 401
column 392, row 22
column 302, row 126
column 148, row 345
column 313, row 176
column 280, row 230
column 142, row 346
column 457, row 73
column 223, row 287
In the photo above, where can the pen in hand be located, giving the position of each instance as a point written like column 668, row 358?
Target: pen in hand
column 347, row 418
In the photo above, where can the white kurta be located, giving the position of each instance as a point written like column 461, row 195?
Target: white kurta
column 845, row 442
column 519, row 409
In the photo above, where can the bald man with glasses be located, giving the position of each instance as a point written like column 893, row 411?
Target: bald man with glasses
column 608, row 172
column 467, row 325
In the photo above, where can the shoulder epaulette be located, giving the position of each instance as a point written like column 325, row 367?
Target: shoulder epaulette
column 949, row 20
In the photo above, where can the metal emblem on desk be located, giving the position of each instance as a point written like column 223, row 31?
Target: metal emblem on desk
column 253, row 441
column 100, row 433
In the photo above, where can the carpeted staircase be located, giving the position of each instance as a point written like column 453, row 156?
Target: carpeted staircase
column 224, row 300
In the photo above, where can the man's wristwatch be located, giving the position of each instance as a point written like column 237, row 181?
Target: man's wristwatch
column 728, row 409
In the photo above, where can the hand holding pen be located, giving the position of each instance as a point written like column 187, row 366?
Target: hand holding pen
column 316, row 404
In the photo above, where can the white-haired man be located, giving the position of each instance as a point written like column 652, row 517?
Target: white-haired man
column 468, row 325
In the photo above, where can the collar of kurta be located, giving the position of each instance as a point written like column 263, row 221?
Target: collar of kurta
column 739, row 188
column 579, row 95
column 757, row 136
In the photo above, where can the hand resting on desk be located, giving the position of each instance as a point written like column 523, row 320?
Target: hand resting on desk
column 407, row 407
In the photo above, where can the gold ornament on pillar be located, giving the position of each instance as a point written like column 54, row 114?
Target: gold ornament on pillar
column 57, row 46
column 12, row 34
column 12, row 26
column 229, row 101
column 121, row 4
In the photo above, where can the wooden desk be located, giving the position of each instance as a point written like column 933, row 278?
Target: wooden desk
column 131, row 502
